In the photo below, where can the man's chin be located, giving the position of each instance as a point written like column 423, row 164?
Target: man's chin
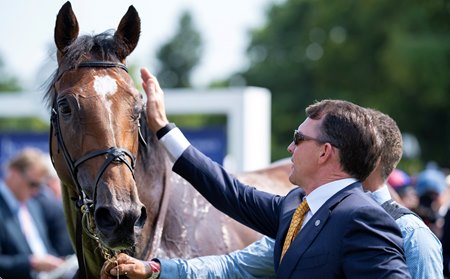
column 291, row 177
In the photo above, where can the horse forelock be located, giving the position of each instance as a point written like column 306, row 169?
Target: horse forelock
column 101, row 47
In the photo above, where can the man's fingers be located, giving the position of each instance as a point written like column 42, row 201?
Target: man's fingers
column 149, row 81
column 156, row 116
column 109, row 267
column 123, row 269
column 145, row 74
column 123, row 258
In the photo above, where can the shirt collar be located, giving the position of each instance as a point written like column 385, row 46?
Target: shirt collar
column 322, row 193
column 381, row 195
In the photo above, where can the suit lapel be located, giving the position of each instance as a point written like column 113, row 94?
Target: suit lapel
column 310, row 232
column 17, row 236
column 13, row 229
column 304, row 239
column 285, row 221
column 279, row 241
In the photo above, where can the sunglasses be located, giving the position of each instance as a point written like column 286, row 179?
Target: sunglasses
column 299, row 137
column 30, row 182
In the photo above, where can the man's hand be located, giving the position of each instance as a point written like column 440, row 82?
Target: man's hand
column 128, row 266
column 45, row 263
column 156, row 111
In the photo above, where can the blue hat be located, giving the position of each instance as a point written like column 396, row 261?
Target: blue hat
column 431, row 179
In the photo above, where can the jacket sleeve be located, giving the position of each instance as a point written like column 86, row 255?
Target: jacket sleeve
column 373, row 245
column 256, row 209
column 253, row 262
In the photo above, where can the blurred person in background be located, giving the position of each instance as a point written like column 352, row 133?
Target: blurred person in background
column 431, row 188
column 401, row 183
column 445, row 239
column 25, row 249
column 49, row 198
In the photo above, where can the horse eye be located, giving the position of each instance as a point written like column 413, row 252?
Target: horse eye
column 64, row 107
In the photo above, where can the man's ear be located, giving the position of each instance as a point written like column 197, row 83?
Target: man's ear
column 326, row 152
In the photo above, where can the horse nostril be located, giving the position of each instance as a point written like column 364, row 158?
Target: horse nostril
column 105, row 219
column 113, row 222
column 140, row 222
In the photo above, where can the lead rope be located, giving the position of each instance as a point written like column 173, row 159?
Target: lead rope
column 116, row 262
column 89, row 229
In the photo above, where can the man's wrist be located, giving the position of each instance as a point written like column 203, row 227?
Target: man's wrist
column 32, row 261
column 164, row 130
column 153, row 268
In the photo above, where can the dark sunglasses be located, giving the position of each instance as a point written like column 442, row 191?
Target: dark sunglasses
column 299, row 137
column 30, row 182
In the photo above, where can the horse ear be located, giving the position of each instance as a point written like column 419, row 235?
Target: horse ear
column 66, row 28
column 127, row 34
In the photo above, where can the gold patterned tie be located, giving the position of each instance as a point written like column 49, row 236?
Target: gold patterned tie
column 296, row 224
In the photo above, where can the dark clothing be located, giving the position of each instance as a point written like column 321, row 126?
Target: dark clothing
column 446, row 244
column 350, row 236
column 14, row 248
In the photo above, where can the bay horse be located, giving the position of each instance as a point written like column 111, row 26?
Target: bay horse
column 119, row 192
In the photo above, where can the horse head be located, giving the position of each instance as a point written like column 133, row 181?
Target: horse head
column 95, row 126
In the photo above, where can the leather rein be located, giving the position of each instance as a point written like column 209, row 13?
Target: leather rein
column 114, row 155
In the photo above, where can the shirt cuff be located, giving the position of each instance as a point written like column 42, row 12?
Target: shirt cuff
column 175, row 143
column 164, row 130
column 169, row 269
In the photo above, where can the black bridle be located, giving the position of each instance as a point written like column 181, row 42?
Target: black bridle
column 114, row 155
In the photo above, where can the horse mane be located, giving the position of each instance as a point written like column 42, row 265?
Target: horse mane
column 101, row 46
column 151, row 155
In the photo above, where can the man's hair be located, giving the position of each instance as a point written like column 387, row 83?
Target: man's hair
column 27, row 159
column 352, row 130
column 391, row 142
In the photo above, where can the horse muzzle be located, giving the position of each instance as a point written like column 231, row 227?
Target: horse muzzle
column 118, row 225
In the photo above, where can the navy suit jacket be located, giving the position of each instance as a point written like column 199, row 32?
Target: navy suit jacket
column 14, row 249
column 350, row 236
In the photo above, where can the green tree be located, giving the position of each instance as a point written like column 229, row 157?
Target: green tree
column 8, row 83
column 390, row 55
column 179, row 56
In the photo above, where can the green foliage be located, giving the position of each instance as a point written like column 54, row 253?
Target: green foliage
column 7, row 82
column 180, row 55
column 23, row 124
column 390, row 55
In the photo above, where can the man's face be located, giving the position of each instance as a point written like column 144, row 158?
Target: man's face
column 305, row 152
column 27, row 183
